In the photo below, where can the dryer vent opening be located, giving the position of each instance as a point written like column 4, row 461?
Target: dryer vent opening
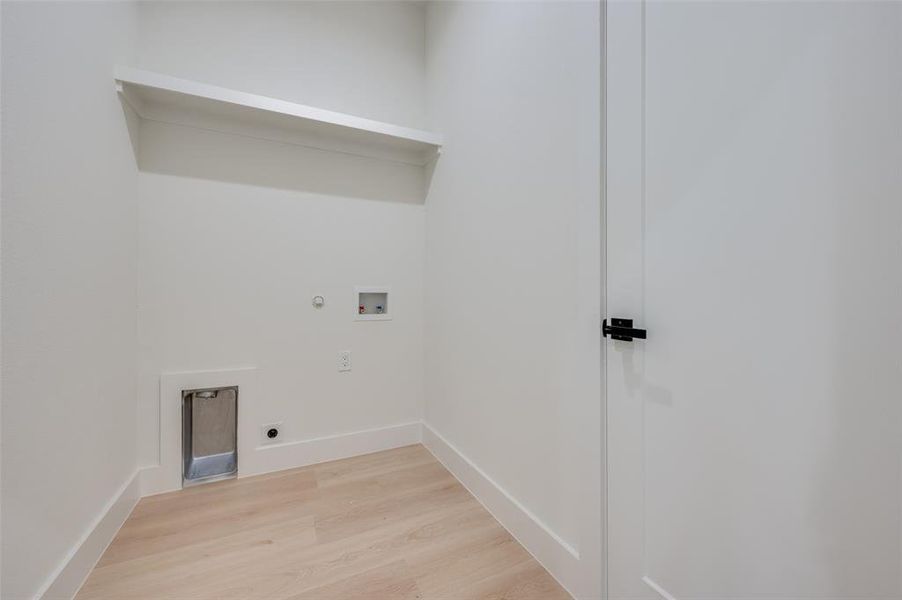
column 209, row 434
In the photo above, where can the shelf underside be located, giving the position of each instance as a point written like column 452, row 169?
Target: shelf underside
column 167, row 99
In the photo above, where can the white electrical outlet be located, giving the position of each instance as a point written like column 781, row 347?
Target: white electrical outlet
column 344, row 360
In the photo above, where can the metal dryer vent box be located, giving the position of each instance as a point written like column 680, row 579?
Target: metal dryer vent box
column 209, row 434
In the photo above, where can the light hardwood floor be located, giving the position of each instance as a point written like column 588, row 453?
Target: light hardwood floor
column 393, row 524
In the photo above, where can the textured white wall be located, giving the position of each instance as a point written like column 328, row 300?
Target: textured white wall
column 69, row 280
column 229, row 263
column 513, row 262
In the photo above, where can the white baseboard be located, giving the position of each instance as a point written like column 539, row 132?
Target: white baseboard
column 65, row 582
column 291, row 455
column 557, row 556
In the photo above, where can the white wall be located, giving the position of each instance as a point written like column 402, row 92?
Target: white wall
column 513, row 262
column 228, row 273
column 233, row 249
column 228, row 260
column 69, row 281
column 363, row 58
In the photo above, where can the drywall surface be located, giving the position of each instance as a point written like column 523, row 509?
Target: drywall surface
column 237, row 235
column 69, row 281
column 361, row 58
column 228, row 275
column 513, row 257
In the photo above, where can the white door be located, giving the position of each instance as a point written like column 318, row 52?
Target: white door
column 754, row 219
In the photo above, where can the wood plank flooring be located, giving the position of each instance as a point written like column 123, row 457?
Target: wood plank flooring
column 390, row 525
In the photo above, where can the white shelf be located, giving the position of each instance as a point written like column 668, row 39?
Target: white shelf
column 167, row 99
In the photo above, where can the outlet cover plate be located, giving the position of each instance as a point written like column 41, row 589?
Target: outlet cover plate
column 344, row 360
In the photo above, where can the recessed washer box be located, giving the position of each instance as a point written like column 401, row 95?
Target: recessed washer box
column 372, row 303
